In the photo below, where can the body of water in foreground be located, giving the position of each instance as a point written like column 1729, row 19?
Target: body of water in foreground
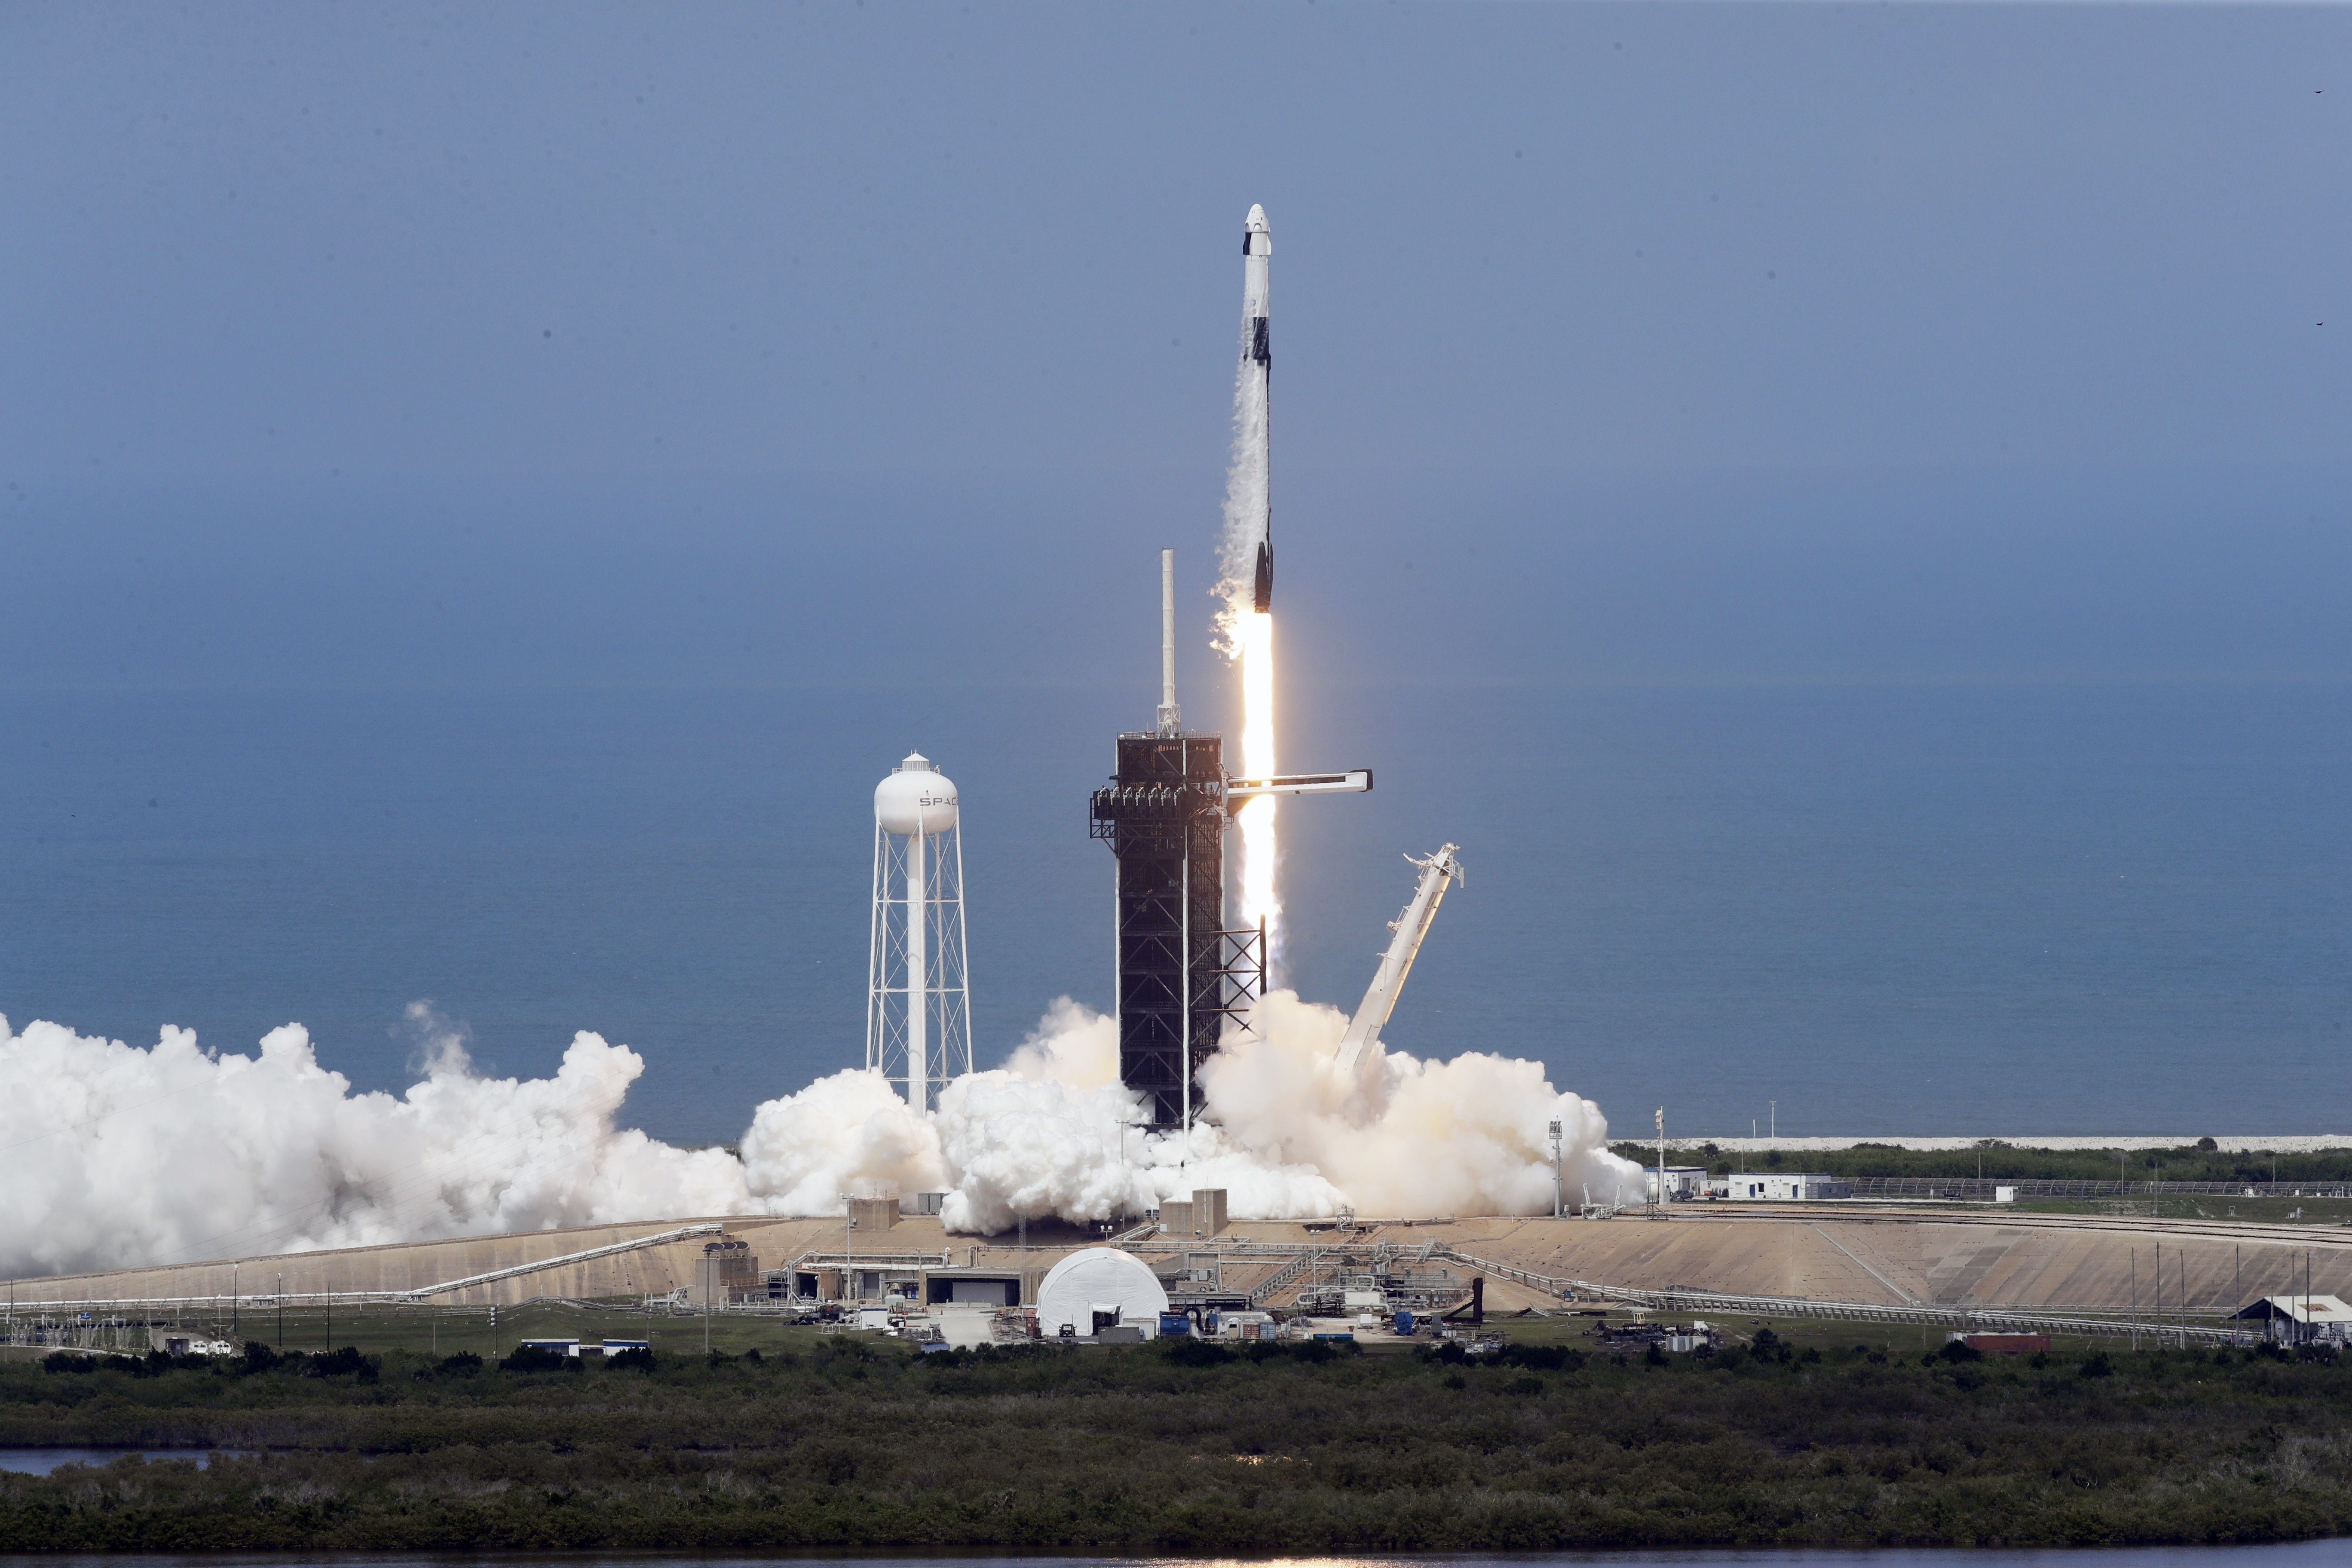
column 1981, row 910
column 2296, row 1554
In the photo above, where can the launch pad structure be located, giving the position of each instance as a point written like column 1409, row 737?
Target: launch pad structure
column 1182, row 973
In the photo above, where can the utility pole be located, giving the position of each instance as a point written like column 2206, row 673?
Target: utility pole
column 1775, row 1123
column 848, row 1278
column 1662, row 1159
column 281, row 1312
column 1558, row 1201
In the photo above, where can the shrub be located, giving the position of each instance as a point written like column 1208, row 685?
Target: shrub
column 65, row 1360
column 637, row 1359
column 2099, row 1366
column 260, row 1357
column 1958, row 1350
column 539, row 1358
column 465, row 1363
column 1190, row 1352
column 346, row 1361
column 1312, row 1352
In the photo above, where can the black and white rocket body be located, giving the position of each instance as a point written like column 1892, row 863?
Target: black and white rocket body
column 1257, row 360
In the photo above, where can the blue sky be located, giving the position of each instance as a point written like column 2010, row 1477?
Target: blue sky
column 1715, row 342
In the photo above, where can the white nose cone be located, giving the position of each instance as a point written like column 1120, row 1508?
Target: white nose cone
column 916, row 798
column 1255, row 223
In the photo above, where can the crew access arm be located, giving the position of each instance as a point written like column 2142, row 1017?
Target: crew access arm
column 1438, row 872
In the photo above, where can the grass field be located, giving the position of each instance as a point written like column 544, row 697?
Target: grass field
column 1800, row 1435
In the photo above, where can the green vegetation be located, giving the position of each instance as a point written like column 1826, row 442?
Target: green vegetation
column 2003, row 1161
column 846, row 1441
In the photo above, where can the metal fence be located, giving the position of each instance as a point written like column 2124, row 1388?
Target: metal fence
column 1973, row 1189
column 2182, row 1330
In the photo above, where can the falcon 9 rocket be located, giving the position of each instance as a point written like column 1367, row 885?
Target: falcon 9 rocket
column 1257, row 361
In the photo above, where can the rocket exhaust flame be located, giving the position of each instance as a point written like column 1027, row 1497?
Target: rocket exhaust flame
column 1245, row 624
column 1259, row 897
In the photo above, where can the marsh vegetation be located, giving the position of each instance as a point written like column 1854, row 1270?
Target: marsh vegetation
column 844, row 1442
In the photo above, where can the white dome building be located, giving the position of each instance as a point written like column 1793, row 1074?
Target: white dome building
column 1097, row 1289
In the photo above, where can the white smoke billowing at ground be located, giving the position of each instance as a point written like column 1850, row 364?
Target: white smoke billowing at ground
column 121, row 1156
column 118, row 1156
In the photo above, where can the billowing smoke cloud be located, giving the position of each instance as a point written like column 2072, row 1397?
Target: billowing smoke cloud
column 1400, row 1136
column 118, row 1156
column 123, row 1156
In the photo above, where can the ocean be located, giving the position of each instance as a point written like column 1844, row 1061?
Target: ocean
column 1988, row 909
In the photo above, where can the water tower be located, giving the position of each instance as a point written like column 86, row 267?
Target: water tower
column 918, row 1002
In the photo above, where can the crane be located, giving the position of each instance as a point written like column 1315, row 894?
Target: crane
column 1438, row 872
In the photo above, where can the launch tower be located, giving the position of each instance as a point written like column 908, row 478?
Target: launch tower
column 1182, row 973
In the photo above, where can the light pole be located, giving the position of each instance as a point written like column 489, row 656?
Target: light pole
column 1662, row 1159
column 705, row 1298
column 1558, row 1201
column 848, row 1263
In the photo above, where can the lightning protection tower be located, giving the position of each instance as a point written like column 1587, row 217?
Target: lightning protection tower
column 917, row 1001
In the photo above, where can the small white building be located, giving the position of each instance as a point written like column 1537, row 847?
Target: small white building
column 1781, row 1187
column 2301, row 1320
column 1684, row 1183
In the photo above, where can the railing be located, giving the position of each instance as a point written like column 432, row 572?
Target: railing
column 684, row 1233
column 944, row 1258
column 1974, row 1189
column 1992, row 1320
column 1280, row 1277
column 419, row 1296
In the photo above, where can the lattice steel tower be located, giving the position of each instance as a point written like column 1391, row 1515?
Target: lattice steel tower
column 1182, row 975
column 918, row 999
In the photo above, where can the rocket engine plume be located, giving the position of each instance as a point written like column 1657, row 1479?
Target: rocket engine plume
column 1245, row 624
